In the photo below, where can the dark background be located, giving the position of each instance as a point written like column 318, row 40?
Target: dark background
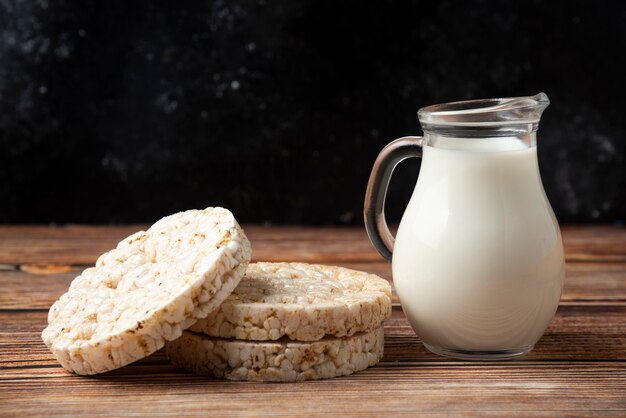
column 125, row 111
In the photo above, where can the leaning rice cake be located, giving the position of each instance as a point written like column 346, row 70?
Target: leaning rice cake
column 147, row 291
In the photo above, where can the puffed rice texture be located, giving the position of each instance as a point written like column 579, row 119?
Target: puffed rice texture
column 147, row 291
column 276, row 361
column 304, row 302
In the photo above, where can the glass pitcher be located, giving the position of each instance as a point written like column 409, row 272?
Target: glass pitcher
column 478, row 259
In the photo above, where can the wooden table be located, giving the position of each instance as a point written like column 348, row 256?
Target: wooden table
column 578, row 367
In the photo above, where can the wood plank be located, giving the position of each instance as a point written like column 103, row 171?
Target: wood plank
column 38, row 288
column 81, row 245
column 571, row 389
column 581, row 333
column 594, row 281
column 601, row 242
column 24, row 290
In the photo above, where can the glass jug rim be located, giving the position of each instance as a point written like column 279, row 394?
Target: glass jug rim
column 522, row 112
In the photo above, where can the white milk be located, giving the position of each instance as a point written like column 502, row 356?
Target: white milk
column 478, row 259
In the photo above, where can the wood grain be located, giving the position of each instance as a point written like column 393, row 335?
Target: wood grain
column 578, row 368
column 582, row 390
column 81, row 245
column 576, row 333
column 38, row 288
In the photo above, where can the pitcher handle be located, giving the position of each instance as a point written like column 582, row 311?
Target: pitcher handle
column 374, row 209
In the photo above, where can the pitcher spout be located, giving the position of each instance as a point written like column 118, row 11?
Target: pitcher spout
column 485, row 117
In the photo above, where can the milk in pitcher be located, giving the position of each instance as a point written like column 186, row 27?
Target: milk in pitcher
column 478, row 261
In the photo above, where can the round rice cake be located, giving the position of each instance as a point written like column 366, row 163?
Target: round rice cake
column 276, row 361
column 147, row 291
column 304, row 302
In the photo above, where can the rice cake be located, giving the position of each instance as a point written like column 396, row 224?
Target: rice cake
column 304, row 302
column 277, row 361
column 147, row 290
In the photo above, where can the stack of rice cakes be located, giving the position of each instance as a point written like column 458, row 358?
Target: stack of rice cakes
column 281, row 322
column 290, row 322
